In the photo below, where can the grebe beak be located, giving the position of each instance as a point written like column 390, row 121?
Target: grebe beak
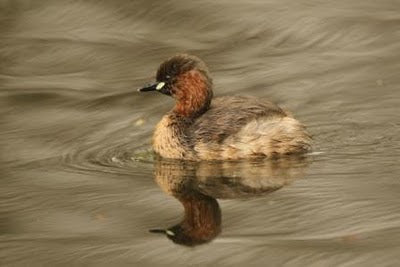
column 162, row 231
column 153, row 87
column 158, row 231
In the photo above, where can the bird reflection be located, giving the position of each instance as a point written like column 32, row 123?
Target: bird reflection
column 197, row 185
column 201, row 223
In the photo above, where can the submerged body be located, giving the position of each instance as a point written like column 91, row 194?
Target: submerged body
column 223, row 128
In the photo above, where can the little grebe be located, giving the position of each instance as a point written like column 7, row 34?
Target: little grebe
column 201, row 127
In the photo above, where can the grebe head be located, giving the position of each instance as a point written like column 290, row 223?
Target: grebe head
column 185, row 78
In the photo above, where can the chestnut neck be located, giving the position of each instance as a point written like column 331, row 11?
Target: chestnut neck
column 193, row 94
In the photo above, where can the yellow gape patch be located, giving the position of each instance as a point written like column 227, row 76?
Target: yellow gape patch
column 160, row 85
column 170, row 233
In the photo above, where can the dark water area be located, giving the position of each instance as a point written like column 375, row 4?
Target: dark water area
column 79, row 185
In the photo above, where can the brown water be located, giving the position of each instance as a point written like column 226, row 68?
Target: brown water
column 78, row 185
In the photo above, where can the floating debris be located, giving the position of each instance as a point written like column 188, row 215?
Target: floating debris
column 139, row 122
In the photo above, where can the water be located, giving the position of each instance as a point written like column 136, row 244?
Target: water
column 78, row 183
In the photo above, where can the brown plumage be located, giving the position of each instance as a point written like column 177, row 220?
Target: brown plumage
column 201, row 127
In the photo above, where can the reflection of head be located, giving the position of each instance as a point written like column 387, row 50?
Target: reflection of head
column 201, row 223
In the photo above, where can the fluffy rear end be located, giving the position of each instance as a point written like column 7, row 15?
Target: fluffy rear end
column 263, row 137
